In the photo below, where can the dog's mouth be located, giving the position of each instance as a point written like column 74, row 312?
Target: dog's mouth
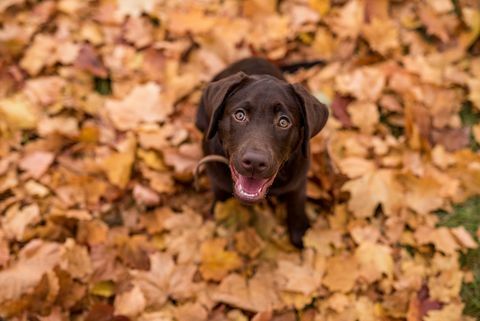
column 250, row 189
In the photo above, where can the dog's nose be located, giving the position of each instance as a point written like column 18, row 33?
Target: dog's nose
column 254, row 162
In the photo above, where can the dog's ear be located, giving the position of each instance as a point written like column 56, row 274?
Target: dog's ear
column 214, row 96
column 314, row 114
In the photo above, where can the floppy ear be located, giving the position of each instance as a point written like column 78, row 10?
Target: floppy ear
column 314, row 114
column 213, row 99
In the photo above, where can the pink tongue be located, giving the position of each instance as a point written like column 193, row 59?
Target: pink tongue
column 251, row 185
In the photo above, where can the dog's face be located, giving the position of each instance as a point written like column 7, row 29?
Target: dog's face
column 260, row 122
column 259, row 129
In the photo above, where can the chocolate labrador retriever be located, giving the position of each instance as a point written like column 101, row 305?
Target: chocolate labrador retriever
column 262, row 124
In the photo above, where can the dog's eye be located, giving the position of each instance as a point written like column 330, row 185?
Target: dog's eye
column 240, row 116
column 284, row 122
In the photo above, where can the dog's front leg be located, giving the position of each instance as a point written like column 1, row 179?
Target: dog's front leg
column 297, row 221
column 219, row 195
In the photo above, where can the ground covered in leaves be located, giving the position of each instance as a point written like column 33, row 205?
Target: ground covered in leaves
column 98, row 217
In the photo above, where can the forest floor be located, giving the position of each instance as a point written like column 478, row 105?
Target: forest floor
column 99, row 219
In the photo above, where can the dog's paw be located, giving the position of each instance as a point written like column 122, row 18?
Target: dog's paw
column 296, row 235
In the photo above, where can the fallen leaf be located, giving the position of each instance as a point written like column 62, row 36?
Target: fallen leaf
column 341, row 273
column 365, row 84
column 347, row 21
column 144, row 195
column 191, row 312
column 382, row 35
column 36, row 163
column 364, row 116
column 118, row 166
column 35, row 259
column 377, row 187
column 254, row 294
column 125, row 113
column 16, row 220
column 374, row 260
column 130, row 303
column 19, row 112
column 216, row 261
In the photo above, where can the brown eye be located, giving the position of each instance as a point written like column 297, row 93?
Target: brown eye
column 240, row 116
column 284, row 122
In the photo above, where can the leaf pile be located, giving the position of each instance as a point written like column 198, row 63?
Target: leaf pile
column 98, row 217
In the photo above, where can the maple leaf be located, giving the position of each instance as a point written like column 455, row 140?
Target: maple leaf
column 374, row 259
column 365, row 84
column 341, row 273
column 347, row 21
column 376, row 187
column 217, row 262
column 299, row 278
column 364, row 115
column 126, row 114
column 254, row 294
column 130, row 303
column 382, row 35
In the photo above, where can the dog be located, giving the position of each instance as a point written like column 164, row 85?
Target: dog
column 262, row 124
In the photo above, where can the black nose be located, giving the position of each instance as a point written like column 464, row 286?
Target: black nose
column 254, row 162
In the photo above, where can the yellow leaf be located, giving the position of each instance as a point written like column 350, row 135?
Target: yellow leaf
column 320, row 6
column 118, row 166
column 372, row 189
column 374, row 260
column 382, row 35
column 341, row 273
column 103, row 288
column 217, row 262
column 19, row 112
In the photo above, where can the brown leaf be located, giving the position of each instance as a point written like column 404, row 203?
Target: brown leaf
column 339, row 109
column 19, row 112
column 256, row 294
column 452, row 139
column 125, row 113
column 89, row 60
column 347, row 21
column 130, row 303
column 17, row 220
column 36, row 163
column 35, row 259
column 341, row 273
column 372, row 189
column 382, row 35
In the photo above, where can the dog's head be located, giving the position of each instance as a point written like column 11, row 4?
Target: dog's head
column 260, row 121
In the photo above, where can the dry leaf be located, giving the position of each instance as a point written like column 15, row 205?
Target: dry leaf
column 130, row 303
column 347, row 21
column 377, row 187
column 16, row 220
column 254, row 294
column 126, row 114
column 382, row 35
column 341, row 273
column 36, row 163
column 374, row 260
column 19, row 112
column 35, row 259
column 217, row 262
